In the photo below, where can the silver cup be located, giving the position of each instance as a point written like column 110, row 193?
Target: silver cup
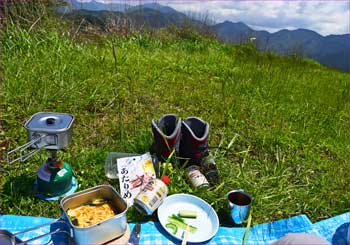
column 239, row 203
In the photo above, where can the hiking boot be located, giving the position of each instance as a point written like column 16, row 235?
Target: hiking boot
column 194, row 141
column 166, row 134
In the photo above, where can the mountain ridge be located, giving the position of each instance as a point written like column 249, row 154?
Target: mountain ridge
column 331, row 50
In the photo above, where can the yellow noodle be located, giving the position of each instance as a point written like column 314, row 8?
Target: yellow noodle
column 88, row 215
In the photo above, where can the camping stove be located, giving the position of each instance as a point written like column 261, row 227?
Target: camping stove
column 53, row 132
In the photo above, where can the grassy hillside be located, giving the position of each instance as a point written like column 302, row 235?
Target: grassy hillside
column 279, row 126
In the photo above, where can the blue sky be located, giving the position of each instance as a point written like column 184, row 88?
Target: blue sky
column 324, row 17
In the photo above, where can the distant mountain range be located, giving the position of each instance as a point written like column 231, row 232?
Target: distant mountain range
column 331, row 50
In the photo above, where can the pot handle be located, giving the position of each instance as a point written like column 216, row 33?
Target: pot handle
column 39, row 226
column 58, row 230
column 23, row 157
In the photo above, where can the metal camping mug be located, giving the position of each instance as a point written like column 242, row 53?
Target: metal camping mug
column 239, row 203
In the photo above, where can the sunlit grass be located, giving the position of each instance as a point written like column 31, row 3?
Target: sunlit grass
column 279, row 126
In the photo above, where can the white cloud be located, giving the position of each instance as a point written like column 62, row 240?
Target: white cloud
column 325, row 17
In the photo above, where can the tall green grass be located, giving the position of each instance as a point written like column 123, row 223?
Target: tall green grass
column 279, row 126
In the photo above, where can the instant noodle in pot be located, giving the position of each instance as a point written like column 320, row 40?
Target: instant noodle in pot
column 104, row 230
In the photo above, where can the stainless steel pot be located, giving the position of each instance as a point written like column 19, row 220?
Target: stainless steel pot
column 104, row 231
column 48, row 130
column 99, row 233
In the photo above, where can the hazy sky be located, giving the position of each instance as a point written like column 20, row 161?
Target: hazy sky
column 324, row 17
